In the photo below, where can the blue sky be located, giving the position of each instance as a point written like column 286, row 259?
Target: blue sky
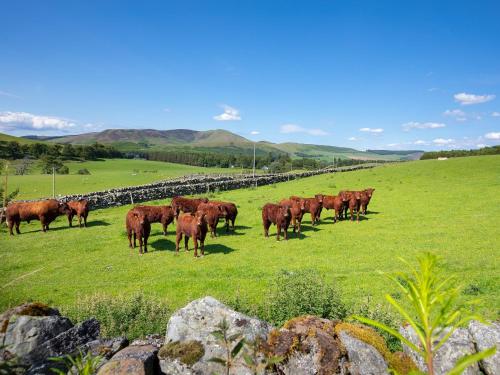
column 363, row 74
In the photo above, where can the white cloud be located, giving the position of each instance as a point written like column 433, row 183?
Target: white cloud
column 293, row 128
column 443, row 141
column 254, row 132
column 495, row 114
column 28, row 121
column 352, row 139
column 167, row 110
column 372, row 130
column 422, row 125
column 393, row 144
column 492, row 135
column 8, row 94
column 432, row 89
column 457, row 114
column 230, row 114
column 420, row 142
column 480, row 145
column 468, row 99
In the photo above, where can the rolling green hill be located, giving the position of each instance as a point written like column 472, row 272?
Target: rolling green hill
column 21, row 140
column 221, row 141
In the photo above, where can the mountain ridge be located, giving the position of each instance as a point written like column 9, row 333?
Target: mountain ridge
column 218, row 140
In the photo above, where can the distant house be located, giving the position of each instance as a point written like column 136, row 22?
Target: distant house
column 442, row 158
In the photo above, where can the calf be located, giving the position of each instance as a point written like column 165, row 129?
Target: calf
column 365, row 199
column 46, row 211
column 213, row 212
column 194, row 226
column 297, row 209
column 276, row 214
column 335, row 203
column 158, row 214
column 186, row 205
column 352, row 201
column 231, row 213
column 80, row 209
column 312, row 205
column 137, row 224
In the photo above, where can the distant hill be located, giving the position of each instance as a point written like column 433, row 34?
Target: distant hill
column 405, row 154
column 220, row 141
column 9, row 138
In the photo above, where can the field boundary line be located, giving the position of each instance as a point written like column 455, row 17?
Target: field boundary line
column 22, row 277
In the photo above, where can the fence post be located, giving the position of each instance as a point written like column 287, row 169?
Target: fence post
column 53, row 182
column 131, row 197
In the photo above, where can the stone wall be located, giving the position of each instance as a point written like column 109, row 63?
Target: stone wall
column 199, row 184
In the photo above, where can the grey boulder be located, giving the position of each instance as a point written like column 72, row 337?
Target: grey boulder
column 26, row 333
column 457, row 346
column 134, row 359
column 364, row 359
column 197, row 320
column 485, row 336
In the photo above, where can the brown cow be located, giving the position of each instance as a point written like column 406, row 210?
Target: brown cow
column 192, row 226
column 186, row 205
column 297, row 209
column 46, row 211
column 352, row 203
column 276, row 214
column 319, row 198
column 334, row 202
column 213, row 212
column 79, row 208
column 231, row 213
column 365, row 199
column 137, row 224
column 312, row 205
column 158, row 214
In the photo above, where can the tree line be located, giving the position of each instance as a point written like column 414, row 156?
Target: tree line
column 15, row 150
column 495, row 150
column 53, row 155
column 273, row 162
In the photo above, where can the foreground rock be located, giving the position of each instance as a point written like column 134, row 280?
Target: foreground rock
column 194, row 344
column 486, row 336
column 199, row 319
column 304, row 345
column 135, row 359
column 309, row 346
column 33, row 338
column 363, row 358
column 312, row 345
column 464, row 341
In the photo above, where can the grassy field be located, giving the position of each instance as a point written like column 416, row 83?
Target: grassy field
column 447, row 207
column 105, row 174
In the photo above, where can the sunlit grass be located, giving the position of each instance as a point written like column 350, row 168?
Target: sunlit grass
column 447, row 207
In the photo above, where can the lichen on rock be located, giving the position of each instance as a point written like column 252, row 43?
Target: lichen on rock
column 188, row 352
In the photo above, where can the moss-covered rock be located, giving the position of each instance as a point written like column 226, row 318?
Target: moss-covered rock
column 29, row 309
column 398, row 361
column 307, row 341
column 188, row 352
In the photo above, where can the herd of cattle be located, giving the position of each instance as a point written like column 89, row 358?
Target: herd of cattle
column 196, row 217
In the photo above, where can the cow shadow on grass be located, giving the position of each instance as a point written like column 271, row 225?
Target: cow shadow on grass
column 162, row 244
column 215, row 248
column 309, row 228
column 51, row 229
column 94, row 223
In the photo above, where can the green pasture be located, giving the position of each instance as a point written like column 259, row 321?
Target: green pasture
column 451, row 208
column 104, row 174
